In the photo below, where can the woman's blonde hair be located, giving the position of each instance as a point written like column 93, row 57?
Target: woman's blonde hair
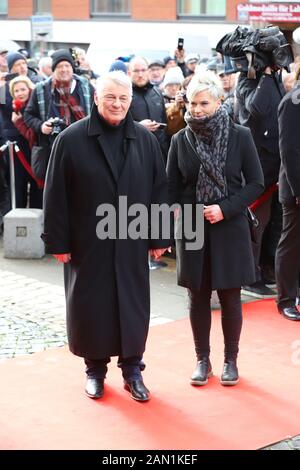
column 20, row 79
column 205, row 81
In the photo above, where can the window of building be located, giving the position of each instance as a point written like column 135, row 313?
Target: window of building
column 202, row 8
column 3, row 7
column 43, row 6
column 110, row 7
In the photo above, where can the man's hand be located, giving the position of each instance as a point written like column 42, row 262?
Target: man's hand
column 156, row 253
column 152, row 126
column 268, row 71
column 213, row 213
column 63, row 258
column 46, row 128
column 298, row 200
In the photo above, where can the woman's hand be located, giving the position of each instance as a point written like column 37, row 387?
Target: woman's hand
column 179, row 99
column 63, row 258
column 213, row 213
column 15, row 117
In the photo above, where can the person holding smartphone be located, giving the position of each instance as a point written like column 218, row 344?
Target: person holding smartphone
column 171, row 84
column 147, row 106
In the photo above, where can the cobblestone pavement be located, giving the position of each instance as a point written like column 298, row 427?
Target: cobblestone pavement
column 32, row 315
column 290, row 443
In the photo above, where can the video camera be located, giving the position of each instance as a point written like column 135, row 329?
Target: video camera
column 252, row 50
column 57, row 125
column 78, row 70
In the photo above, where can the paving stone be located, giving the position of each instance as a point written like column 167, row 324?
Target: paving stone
column 296, row 442
column 282, row 445
column 33, row 315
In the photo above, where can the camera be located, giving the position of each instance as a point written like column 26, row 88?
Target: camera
column 180, row 44
column 57, row 125
column 252, row 50
column 10, row 76
column 78, row 70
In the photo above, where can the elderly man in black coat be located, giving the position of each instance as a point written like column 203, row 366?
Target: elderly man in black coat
column 287, row 261
column 95, row 165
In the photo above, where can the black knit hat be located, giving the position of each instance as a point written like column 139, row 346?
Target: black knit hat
column 13, row 57
column 62, row 55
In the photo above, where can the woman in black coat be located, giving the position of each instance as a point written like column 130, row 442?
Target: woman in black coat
column 214, row 162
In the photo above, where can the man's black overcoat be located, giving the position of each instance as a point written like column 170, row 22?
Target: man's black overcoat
column 107, row 281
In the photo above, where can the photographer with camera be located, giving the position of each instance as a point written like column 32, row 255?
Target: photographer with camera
column 260, row 55
column 59, row 101
column 82, row 66
column 257, row 104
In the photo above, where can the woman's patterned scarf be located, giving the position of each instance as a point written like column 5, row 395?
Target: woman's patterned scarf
column 211, row 141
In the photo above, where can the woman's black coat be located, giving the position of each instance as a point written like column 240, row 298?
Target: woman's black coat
column 107, row 281
column 232, row 262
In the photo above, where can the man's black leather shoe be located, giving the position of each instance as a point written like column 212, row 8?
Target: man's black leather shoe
column 94, row 388
column 230, row 375
column 138, row 390
column 202, row 372
column 291, row 313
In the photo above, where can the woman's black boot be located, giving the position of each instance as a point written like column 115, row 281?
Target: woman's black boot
column 202, row 372
column 230, row 374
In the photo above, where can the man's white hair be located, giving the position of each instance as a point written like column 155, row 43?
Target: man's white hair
column 205, row 81
column 44, row 61
column 118, row 77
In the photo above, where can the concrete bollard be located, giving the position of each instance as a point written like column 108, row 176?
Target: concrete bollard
column 22, row 234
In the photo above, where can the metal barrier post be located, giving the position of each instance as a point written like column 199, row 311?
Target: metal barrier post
column 12, row 174
column 10, row 145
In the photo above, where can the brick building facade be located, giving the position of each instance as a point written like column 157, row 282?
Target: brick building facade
column 138, row 10
column 80, row 21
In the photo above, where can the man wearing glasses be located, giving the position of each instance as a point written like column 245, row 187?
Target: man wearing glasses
column 147, row 106
column 94, row 163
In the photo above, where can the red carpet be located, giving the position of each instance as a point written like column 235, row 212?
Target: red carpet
column 43, row 405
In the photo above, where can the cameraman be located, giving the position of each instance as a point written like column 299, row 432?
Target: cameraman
column 65, row 96
column 257, row 104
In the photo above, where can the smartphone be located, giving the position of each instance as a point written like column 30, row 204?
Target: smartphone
column 180, row 44
column 9, row 76
column 161, row 125
column 183, row 94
